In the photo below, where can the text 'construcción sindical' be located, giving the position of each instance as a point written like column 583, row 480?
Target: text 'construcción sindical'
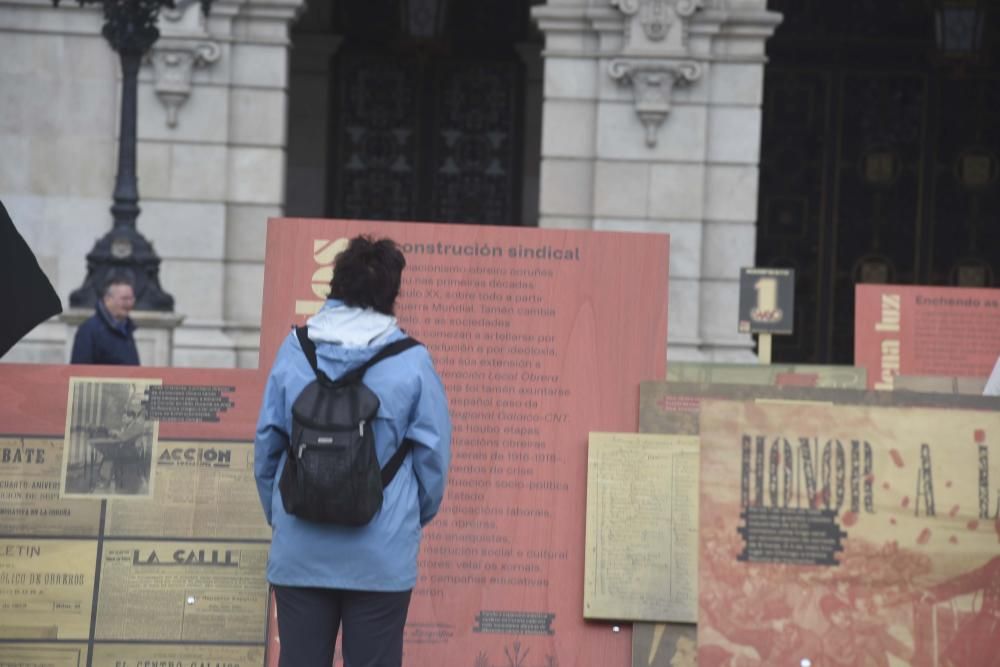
column 544, row 251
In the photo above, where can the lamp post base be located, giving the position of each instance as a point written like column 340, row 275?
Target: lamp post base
column 123, row 252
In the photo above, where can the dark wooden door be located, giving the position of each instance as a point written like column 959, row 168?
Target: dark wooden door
column 879, row 162
column 428, row 128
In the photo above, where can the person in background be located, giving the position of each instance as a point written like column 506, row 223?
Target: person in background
column 327, row 575
column 106, row 337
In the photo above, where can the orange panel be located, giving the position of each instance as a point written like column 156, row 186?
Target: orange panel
column 541, row 336
column 919, row 330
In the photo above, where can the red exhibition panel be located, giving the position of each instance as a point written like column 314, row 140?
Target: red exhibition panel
column 33, row 399
column 919, row 330
column 540, row 336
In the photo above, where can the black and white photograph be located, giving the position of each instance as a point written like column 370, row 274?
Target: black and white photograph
column 109, row 441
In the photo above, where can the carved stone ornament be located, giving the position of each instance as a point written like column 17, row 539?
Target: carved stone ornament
column 173, row 65
column 652, row 86
column 658, row 17
column 655, row 56
column 182, row 47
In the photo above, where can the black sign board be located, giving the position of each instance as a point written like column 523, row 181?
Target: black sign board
column 767, row 300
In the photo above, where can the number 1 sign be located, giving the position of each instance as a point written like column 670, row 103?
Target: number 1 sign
column 767, row 300
column 767, row 305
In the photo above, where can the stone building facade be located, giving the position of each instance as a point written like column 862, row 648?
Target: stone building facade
column 638, row 115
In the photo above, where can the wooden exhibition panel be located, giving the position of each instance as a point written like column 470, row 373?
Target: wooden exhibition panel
column 795, row 375
column 540, row 336
column 919, row 330
column 822, row 545
column 940, row 384
column 130, row 548
column 848, row 534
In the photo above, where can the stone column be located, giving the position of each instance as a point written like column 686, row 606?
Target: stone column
column 256, row 166
column 212, row 168
column 569, row 115
column 652, row 123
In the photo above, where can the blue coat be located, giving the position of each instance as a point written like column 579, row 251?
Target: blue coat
column 381, row 556
column 102, row 340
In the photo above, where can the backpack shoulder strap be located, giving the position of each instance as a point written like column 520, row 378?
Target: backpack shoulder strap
column 392, row 466
column 308, row 347
column 389, row 350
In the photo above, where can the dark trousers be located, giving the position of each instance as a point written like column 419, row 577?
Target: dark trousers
column 308, row 620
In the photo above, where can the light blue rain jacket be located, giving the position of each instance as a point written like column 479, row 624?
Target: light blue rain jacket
column 381, row 556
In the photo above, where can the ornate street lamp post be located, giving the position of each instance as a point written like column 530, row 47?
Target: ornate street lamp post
column 130, row 28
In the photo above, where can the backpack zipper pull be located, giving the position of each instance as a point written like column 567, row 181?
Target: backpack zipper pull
column 361, row 428
column 301, row 449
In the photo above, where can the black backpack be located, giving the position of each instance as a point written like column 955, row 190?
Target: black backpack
column 331, row 474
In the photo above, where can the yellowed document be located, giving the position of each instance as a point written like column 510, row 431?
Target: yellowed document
column 46, row 588
column 29, row 492
column 203, row 490
column 43, row 655
column 190, row 655
column 642, row 527
column 182, row 591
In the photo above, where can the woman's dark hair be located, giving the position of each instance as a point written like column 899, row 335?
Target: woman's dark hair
column 367, row 274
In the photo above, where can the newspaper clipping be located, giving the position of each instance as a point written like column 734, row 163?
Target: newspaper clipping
column 46, row 588
column 109, row 439
column 172, row 655
column 182, row 591
column 29, row 492
column 203, row 490
column 43, row 655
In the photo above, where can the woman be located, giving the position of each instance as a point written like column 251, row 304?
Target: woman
column 325, row 575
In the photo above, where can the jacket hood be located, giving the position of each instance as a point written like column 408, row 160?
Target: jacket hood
column 350, row 327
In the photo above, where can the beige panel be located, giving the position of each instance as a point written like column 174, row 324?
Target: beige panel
column 46, row 588
column 29, row 492
column 642, row 527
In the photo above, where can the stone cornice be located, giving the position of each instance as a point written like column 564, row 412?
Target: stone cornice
column 31, row 16
column 38, row 16
column 608, row 24
column 272, row 10
column 143, row 318
column 35, row 4
column 605, row 19
column 551, row 18
column 736, row 22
